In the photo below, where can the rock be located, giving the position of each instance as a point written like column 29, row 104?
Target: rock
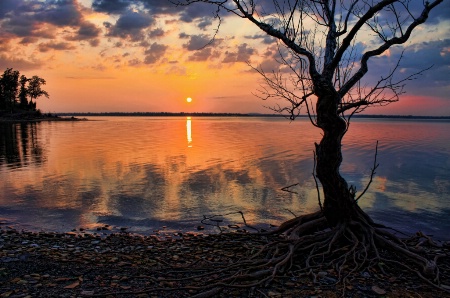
column 22, row 282
column 378, row 290
column 73, row 285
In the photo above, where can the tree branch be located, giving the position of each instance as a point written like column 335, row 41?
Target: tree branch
column 367, row 55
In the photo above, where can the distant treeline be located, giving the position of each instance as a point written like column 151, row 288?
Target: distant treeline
column 403, row 117
column 163, row 114
column 169, row 114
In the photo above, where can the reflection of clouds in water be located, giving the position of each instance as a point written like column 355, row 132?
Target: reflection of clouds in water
column 148, row 175
column 134, row 207
column 404, row 195
column 432, row 223
column 442, row 186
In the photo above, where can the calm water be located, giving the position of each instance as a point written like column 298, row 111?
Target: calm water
column 146, row 173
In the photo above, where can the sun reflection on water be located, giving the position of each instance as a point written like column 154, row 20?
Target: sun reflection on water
column 189, row 131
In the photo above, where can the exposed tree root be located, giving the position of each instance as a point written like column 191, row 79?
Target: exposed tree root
column 309, row 246
column 306, row 246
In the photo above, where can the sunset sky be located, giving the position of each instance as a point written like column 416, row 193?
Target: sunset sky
column 149, row 55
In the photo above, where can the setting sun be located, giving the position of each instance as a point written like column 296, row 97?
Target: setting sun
column 188, row 99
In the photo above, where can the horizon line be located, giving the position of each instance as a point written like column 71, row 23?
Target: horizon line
column 250, row 114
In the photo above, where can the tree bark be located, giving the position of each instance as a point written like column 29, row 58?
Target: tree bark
column 339, row 205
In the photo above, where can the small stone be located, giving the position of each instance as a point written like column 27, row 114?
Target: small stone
column 73, row 285
column 378, row 290
column 200, row 228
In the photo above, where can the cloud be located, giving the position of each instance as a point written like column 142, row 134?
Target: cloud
column 201, row 55
column 204, row 23
column 196, row 42
column 201, row 13
column 134, row 62
column 18, row 63
column 28, row 40
column 161, row 6
column 57, row 46
column 111, row 6
column 266, row 39
column 86, row 31
column 63, row 13
column 433, row 82
column 158, row 32
column 154, row 53
column 8, row 6
column 130, row 25
column 32, row 18
column 183, row 35
column 434, row 54
column 176, row 70
column 94, row 42
column 20, row 26
column 243, row 54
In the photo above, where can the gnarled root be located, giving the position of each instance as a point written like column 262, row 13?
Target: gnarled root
column 307, row 247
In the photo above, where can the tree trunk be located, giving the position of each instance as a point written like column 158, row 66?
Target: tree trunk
column 339, row 205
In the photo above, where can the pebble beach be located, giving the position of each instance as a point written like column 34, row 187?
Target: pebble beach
column 80, row 264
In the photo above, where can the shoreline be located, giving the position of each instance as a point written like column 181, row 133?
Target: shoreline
column 39, row 119
column 46, row 264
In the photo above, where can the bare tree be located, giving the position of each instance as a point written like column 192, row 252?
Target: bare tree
column 317, row 43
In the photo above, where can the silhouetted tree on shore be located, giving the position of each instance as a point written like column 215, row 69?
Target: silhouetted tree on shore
column 14, row 91
column 9, row 85
column 23, row 102
column 34, row 90
column 322, row 73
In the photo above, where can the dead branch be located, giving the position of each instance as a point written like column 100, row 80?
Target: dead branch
column 372, row 173
column 286, row 188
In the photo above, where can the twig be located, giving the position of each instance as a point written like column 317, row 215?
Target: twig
column 286, row 188
column 290, row 212
column 217, row 221
column 375, row 166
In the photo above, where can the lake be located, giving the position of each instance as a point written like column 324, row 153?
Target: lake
column 167, row 173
